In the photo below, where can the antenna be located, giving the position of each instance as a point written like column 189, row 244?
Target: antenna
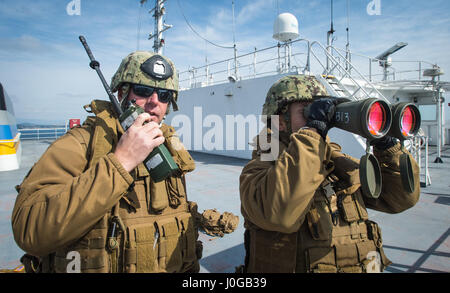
column 139, row 24
column 330, row 37
column 385, row 60
column 347, row 46
column 234, row 41
column 331, row 29
column 160, row 25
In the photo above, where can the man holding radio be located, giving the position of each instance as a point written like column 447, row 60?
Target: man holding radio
column 90, row 193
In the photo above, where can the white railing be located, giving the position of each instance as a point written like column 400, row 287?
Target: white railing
column 338, row 63
column 41, row 133
column 417, row 143
column 296, row 57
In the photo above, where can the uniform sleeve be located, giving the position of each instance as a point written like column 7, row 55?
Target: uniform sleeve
column 394, row 198
column 59, row 200
column 275, row 195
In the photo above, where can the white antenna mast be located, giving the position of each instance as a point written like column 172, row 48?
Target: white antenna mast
column 234, row 43
column 348, row 56
column 160, row 26
column 330, row 38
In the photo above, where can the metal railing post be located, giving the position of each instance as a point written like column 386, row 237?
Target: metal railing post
column 254, row 64
column 420, row 70
column 427, row 175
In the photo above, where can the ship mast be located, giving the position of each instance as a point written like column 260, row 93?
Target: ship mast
column 348, row 56
column 160, row 26
column 330, row 38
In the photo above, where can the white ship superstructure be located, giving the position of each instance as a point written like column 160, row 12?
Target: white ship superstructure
column 213, row 95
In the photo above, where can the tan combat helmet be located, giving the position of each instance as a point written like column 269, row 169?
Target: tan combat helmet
column 289, row 89
column 150, row 69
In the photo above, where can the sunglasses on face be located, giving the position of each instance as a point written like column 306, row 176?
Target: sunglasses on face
column 144, row 91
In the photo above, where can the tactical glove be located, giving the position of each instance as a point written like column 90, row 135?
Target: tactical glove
column 320, row 114
column 384, row 143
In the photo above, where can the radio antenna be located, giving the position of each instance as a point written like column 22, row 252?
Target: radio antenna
column 330, row 37
column 347, row 46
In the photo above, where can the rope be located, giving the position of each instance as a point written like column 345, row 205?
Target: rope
column 187, row 22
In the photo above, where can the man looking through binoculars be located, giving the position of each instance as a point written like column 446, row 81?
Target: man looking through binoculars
column 305, row 210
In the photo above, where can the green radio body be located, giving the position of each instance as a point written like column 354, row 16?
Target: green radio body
column 159, row 162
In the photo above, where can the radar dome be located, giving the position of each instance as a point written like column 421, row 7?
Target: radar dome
column 285, row 27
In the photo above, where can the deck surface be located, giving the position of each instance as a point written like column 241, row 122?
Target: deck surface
column 416, row 240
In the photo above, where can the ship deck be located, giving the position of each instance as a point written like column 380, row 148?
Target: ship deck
column 416, row 240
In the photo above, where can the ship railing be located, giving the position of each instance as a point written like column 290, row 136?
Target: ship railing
column 295, row 57
column 344, row 72
column 42, row 133
column 401, row 69
column 418, row 143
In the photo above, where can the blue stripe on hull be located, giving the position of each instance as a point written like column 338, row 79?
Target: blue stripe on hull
column 6, row 133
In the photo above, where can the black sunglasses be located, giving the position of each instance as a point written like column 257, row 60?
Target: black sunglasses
column 144, row 91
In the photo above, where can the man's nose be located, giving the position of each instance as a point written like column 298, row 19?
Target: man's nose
column 153, row 99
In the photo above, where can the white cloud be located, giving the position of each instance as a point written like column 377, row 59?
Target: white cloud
column 24, row 43
column 43, row 64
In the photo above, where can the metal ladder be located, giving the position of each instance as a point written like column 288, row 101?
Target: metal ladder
column 335, row 84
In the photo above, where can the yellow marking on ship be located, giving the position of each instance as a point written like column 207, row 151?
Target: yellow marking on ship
column 9, row 146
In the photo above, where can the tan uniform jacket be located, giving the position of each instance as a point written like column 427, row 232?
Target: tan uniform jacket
column 277, row 194
column 68, row 192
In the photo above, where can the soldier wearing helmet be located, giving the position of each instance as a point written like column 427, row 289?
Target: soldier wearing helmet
column 90, row 205
column 304, row 209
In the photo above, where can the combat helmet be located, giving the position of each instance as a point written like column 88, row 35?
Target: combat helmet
column 150, row 69
column 289, row 89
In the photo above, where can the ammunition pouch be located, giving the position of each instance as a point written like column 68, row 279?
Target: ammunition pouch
column 345, row 240
column 271, row 252
column 94, row 257
column 166, row 245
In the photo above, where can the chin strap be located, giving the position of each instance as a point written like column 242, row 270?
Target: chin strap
column 125, row 92
column 287, row 119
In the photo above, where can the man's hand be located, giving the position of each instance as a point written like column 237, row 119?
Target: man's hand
column 321, row 114
column 138, row 141
column 384, row 143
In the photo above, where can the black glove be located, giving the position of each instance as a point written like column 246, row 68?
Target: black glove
column 384, row 143
column 320, row 114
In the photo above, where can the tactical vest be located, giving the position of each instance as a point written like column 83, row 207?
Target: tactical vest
column 150, row 229
column 336, row 235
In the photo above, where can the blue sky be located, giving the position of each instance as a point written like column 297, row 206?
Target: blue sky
column 45, row 69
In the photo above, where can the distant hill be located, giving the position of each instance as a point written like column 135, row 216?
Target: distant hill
column 34, row 125
column 39, row 123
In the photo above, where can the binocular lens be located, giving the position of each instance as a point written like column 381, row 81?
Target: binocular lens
column 376, row 119
column 408, row 121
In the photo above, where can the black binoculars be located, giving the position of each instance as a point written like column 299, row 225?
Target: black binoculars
column 372, row 119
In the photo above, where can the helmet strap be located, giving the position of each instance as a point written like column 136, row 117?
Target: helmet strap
column 125, row 88
column 287, row 119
